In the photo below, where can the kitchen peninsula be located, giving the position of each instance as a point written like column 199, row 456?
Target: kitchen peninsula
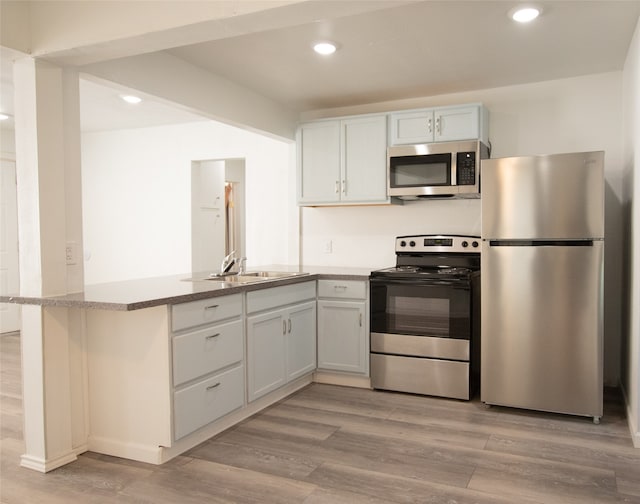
column 171, row 361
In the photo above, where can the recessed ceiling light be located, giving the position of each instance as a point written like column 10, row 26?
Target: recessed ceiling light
column 525, row 14
column 325, row 48
column 4, row 117
column 131, row 99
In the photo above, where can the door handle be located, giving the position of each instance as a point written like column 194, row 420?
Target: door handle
column 289, row 324
column 361, row 320
column 337, row 186
column 284, row 327
column 344, row 187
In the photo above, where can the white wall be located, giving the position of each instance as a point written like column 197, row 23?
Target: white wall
column 136, row 187
column 631, row 344
column 578, row 114
column 7, row 142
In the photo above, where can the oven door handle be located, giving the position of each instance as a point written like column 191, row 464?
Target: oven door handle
column 456, row 284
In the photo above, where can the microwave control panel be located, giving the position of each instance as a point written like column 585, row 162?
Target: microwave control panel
column 466, row 168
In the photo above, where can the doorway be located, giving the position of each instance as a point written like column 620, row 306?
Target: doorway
column 217, row 212
column 9, row 270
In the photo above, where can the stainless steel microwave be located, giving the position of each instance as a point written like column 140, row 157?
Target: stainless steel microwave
column 445, row 170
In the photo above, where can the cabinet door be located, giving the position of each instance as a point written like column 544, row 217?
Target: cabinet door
column 457, row 123
column 342, row 336
column 412, row 127
column 364, row 159
column 319, row 162
column 301, row 340
column 266, row 352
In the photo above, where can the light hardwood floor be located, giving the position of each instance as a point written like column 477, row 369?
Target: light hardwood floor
column 328, row 444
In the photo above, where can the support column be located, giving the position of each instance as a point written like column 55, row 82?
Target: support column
column 49, row 215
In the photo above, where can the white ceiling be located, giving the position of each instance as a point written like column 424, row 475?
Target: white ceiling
column 410, row 50
column 423, row 49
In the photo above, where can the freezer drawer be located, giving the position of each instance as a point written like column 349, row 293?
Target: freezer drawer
column 559, row 196
column 542, row 327
column 420, row 376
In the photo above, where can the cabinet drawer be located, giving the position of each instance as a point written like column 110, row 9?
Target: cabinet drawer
column 273, row 297
column 203, row 402
column 349, row 289
column 206, row 350
column 204, row 311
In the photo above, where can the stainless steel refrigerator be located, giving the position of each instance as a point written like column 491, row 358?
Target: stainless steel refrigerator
column 542, row 283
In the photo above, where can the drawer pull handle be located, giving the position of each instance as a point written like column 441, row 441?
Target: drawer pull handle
column 211, row 336
column 211, row 387
column 361, row 320
column 284, row 327
column 289, row 324
column 341, row 287
column 211, row 307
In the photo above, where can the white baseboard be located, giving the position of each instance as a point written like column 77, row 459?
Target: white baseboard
column 632, row 420
column 346, row 380
column 44, row 466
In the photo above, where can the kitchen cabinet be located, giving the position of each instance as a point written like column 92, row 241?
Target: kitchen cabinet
column 343, row 161
column 343, row 326
column 440, row 124
column 208, row 370
column 281, row 336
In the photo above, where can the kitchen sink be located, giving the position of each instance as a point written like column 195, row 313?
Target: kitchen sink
column 247, row 277
column 273, row 274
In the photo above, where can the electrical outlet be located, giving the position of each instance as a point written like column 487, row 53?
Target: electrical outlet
column 328, row 247
column 71, row 253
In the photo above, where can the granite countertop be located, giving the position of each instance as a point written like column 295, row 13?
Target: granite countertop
column 147, row 292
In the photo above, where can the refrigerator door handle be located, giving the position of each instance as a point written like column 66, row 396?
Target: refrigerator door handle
column 541, row 243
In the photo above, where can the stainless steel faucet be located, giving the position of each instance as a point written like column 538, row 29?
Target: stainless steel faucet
column 228, row 262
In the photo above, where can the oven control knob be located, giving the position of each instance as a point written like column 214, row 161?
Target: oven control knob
column 465, row 244
column 412, row 243
column 475, row 244
column 403, row 243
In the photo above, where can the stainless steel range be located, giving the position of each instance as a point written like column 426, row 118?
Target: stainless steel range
column 425, row 317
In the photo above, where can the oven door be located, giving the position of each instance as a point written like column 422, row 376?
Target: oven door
column 431, row 308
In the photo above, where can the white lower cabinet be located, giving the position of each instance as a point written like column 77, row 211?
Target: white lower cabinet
column 208, row 362
column 301, row 340
column 343, row 326
column 281, row 336
column 266, row 359
column 207, row 400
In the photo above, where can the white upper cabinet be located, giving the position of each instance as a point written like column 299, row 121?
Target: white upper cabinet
column 441, row 124
column 319, row 162
column 343, row 161
column 364, row 160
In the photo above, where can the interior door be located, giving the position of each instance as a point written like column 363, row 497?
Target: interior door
column 9, row 272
